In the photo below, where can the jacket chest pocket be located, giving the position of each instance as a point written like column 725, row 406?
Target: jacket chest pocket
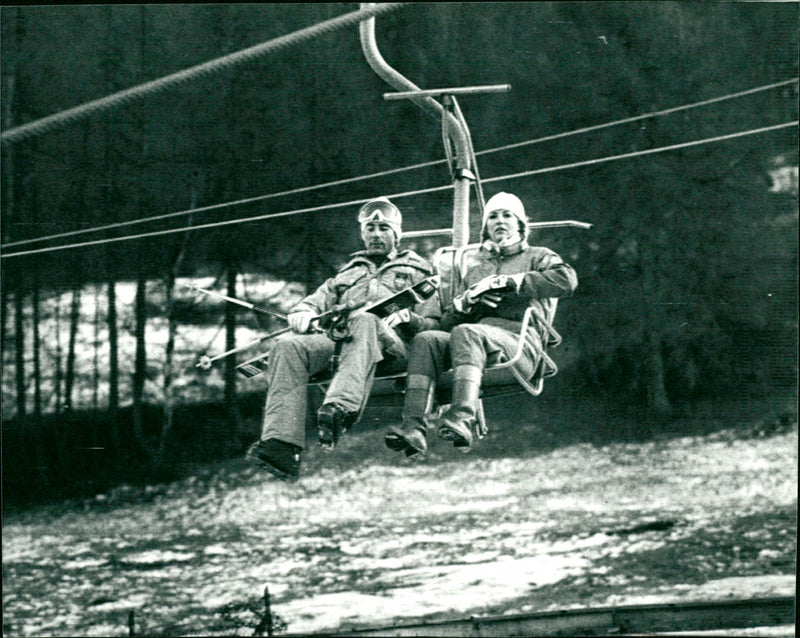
column 398, row 278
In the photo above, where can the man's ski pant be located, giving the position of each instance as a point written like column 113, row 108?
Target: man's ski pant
column 295, row 358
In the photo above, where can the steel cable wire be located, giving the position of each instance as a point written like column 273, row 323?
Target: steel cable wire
column 349, row 180
column 433, row 189
column 120, row 98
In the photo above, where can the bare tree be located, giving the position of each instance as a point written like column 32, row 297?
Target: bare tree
column 57, row 377
column 10, row 206
column 169, row 309
column 74, row 320
column 140, row 361
column 110, row 65
column 19, row 349
column 113, row 348
column 96, row 350
column 33, row 207
column 37, row 368
column 140, row 312
column 230, row 344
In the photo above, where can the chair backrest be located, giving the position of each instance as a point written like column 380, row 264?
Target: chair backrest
column 450, row 264
column 444, row 264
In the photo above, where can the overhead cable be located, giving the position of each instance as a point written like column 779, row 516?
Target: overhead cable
column 636, row 118
column 126, row 96
column 238, row 202
column 433, row 189
column 651, row 151
column 348, row 180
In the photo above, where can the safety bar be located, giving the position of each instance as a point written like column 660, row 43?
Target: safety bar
column 526, row 320
column 533, row 388
column 462, row 90
column 532, row 226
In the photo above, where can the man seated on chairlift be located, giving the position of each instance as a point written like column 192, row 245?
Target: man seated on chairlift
column 371, row 275
column 494, row 286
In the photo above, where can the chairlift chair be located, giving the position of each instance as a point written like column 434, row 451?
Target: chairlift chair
column 501, row 377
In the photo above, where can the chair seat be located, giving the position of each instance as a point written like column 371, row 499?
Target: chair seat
column 494, row 383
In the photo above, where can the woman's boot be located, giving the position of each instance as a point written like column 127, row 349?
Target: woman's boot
column 456, row 424
column 410, row 437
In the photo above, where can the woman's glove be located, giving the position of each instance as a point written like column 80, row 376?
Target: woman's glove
column 398, row 317
column 488, row 291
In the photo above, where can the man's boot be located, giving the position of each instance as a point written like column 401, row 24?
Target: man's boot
column 410, row 436
column 278, row 457
column 456, row 424
column 333, row 421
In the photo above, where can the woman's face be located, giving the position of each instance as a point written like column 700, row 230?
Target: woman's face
column 502, row 225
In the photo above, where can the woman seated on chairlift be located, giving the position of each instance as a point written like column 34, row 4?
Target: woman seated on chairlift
column 495, row 284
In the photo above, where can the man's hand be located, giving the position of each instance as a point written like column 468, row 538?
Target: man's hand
column 300, row 321
column 398, row 317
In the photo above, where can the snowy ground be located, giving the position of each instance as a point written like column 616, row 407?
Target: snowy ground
column 693, row 518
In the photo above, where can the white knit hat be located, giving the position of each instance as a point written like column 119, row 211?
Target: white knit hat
column 381, row 209
column 509, row 202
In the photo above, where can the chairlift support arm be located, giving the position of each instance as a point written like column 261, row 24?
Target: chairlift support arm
column 455, row 130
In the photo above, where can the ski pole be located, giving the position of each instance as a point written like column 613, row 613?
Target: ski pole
column 205, row 361
column 246, row 304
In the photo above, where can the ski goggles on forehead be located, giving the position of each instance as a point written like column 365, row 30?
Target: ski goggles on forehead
column 379, row 212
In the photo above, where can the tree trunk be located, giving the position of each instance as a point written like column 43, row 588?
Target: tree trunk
column 37, row 368
column 230, row 344
column 109, row 68
column 69, row 378
column 169, row 399
column 10, row 203
column 35, row 442
column 19, row 351
column 58, row 379
column 96, row 357
column 113, row 349
column 62, row 430
column 653, row 363
column 140, row 363
column 166, row 424
column 657, row 400
column 33, row 208
column 115, row 435
column 4, row 301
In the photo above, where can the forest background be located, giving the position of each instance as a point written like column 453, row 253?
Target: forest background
column 688, row 278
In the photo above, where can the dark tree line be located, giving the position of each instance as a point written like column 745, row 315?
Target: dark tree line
column 688, row 281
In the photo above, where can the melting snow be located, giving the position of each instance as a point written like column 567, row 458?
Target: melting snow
column 159, row 556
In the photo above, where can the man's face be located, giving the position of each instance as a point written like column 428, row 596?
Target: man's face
column 378, row 238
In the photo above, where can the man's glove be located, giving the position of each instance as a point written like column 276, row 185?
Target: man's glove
column 300, row 321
